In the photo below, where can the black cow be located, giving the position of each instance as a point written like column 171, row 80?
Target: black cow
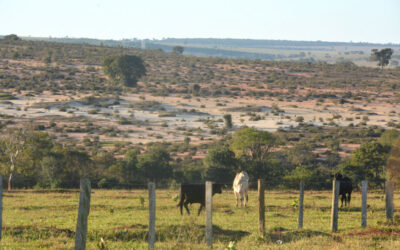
column 196, row 193
column 346, row 187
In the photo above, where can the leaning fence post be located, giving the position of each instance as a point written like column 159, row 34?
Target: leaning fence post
column 83, row 213
column 389, row 188
column 152, row 214
column 261, row 208
column 209, row 213
column 335, row 204
column 1, row 204
column 364, row 187
column 301, row 198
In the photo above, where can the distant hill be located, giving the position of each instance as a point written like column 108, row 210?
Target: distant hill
column 274, row 50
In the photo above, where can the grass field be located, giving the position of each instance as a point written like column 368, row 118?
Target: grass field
column 47, row 220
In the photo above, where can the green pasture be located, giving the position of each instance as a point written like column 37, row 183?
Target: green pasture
column 47, row 219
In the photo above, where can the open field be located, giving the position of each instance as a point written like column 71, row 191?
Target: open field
column 35, row 219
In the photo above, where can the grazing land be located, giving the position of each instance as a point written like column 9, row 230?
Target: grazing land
column 47, row 220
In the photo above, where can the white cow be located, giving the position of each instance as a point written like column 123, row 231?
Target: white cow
column 240, row 188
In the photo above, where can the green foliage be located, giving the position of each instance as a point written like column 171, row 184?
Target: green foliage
column 367, row 163
column 295, row 204
column 393, row 165
column 253, row 143
column 221, row 164
column 154, row 165
column 300, row 174
column 126, row 69
column 141, row 201
column 389, row 137
column 382, row 56
column 178, row 49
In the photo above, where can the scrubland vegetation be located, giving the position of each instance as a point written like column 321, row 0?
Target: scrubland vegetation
column 188, row 119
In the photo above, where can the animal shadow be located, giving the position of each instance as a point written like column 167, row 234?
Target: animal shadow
column 227, row 235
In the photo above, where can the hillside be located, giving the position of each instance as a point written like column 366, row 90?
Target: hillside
column 275, row 50
column 320, row 112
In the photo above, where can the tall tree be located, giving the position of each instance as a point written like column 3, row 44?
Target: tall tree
column 126, row 69
column 253, row 143
column 221, row 164
column 382, row 56
column 228, row 121
column 22, row 150
column 370, row 160
column 154, row 165
column 253, row 147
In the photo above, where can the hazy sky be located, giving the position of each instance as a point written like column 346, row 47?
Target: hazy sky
column 326, row 20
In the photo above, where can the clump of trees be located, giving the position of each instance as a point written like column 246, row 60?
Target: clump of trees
column 125, row 69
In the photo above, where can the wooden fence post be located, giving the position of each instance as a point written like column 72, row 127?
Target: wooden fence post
column 1, row 204
column 83, row 213
column 209, row 213
column 335, row 204
column 301, row 199
column 261, row 208
column 152, row 214
column 364, row 188
column 389, row 188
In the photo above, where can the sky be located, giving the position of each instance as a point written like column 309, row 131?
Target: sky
column 311, row 20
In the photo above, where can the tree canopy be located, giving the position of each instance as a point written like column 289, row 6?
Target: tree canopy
column 221, row 164
column 126, row 69
column 253, row 143
column 382, row 56
column 178, row 49
column 393, row 165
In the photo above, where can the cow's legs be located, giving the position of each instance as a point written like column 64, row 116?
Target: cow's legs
column 201, row 207
column 349, row 198
column 342, row 198
column 237, row 199
column 186, row 207
column 246, row 200
column 241, row 200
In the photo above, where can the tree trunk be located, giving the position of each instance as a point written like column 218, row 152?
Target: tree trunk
column 9, row 182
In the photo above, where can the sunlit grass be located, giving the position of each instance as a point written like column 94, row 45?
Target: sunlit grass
column 34, row 219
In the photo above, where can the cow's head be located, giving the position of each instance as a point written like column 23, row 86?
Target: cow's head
column 338, row 176
column 217, row 188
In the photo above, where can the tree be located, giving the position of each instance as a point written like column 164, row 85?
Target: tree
column 382, row 56
column 22, row 151
column 252, row 147
column 178, row 49
column 126, row 69
column 369, row 160
column 253, row 143
column 393, row 165
column 196, row 89
column 221, row 164
column 228, row 121
column 389, row 137
column 154, row 165
column 12, row 37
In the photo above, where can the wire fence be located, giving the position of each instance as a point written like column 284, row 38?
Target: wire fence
column 85, row 193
